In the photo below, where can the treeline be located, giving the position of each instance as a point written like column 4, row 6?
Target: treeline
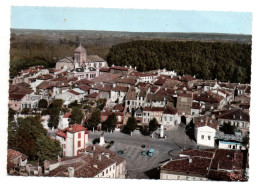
column 225, row 61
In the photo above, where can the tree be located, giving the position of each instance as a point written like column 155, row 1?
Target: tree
column 12, row 135
column 77, row 115
column 130, row 125
column 101, row 103
column 29, row 129
column 11, row 114
column 54, row 113
column 43, row 103
column 56, row 103
column 227, row 128
column 94, row 120
column 47, row 148
column 74, row 104
column 110, row 123
column 153, row 125
column 25, row 111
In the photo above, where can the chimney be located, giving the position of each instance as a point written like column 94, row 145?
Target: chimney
column 113, row 65
column 234, row 116
column 71, row 171
column 107, row 155
column 95, row 166
column 240, row 117
column 99, row 157
column 93, row 148
column 135, row 68
column 201, row 120
column 114, row 85
column 190, row 160
column 130, row 66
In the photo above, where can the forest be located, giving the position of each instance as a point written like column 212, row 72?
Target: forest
column 224, row 61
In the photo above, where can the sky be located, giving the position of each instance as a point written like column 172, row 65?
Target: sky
column 132, row 20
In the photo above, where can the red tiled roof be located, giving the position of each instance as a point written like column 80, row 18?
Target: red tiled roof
column 93, row 95
column 11, row 154
column 73, row 92
column 16, row 96
column 119, row 107
column 83, row 82
column 205, row 121
column 104, row 69
column 67, row 115
column 119, row 68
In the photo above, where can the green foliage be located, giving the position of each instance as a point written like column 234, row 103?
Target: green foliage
column 25, row 111
column 47, row 148
column 94, row 120
column 77, row 115
column 225, row 61
column 54, row 113
column 153, row 125
column 246, row 140
column 227, row 128
column 30, row 138
column 74, row 104
column 110, row 123
column 56, row 103
column 43, row 103
column 101, row 103
column 11, row 114
column 12, row 134
column 130, row 125
column 29, row 129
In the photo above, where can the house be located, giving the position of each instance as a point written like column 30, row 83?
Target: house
column 118, row 93
column 209, row 101
column 155, row 100
column 236, row 117
column 15, row 159
column 170, row 118
column 119, row 115
column 64, row 121
column 207, row 164
column 72, row 139
column 15, row 101
column 120, row 70
column 205, row 130
column 152, row 112
column 184, row 103
column 70, row 96
column 92, row 162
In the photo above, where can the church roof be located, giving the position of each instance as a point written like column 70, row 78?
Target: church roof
column 80, row 49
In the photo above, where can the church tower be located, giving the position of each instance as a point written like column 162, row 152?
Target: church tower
column 80, row 56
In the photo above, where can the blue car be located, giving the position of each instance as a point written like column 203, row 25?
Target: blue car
column 151, row 152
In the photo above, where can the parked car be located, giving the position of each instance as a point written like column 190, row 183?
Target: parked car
column 143, row 152
column 120, row 152
column 151, row 152
column 143, row 145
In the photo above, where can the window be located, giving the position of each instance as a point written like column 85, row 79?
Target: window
column 103, row 173
column 202, row 136
column 79, row 144
column 209, row 137
column 170, row 118
column 178, row 177
column 165, row 118
column 107, row 171
column 79, row 135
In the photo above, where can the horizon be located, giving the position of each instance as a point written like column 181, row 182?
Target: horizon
column 131, row 20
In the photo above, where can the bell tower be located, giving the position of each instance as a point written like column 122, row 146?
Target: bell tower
column 80, row 55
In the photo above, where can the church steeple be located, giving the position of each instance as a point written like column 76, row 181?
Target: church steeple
column 80, row 55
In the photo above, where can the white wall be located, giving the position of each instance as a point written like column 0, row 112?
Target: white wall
column 205, row 136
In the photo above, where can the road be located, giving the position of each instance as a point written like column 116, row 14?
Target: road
column 142, row 166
